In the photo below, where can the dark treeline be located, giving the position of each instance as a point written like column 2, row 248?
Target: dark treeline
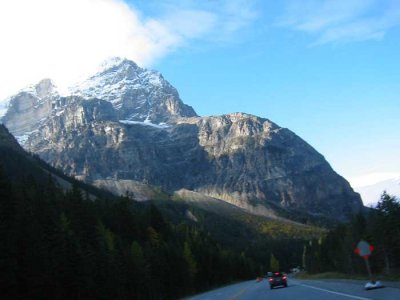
column 56, row 245
column 380, row 227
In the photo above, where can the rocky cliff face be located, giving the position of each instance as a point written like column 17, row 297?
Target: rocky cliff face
column 244, row 160
column 104, row 135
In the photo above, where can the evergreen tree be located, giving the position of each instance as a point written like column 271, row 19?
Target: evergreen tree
column 274, row 263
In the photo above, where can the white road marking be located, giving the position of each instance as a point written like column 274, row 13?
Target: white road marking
column 337, row 293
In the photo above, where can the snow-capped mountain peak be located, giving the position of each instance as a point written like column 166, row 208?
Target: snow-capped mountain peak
column 136, row 93
column 118, row 65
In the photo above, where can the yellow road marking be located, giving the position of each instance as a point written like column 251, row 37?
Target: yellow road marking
column 240, row 293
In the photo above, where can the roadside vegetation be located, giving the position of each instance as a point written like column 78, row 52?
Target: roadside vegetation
column 61, row 245
column 334, row 252
column 336, row 275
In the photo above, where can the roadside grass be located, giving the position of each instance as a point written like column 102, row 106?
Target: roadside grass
column 336, row 275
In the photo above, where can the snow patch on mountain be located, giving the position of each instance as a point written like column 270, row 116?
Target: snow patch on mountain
column 145, row 123
column 154, row 78
column 110, row 63
column 23, row 138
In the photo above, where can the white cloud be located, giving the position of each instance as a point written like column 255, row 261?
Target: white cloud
column 185, row 22
column 220, row 19
column 66, row 39
column 341, row 20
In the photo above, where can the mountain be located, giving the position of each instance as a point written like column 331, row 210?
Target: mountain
column 125, row 128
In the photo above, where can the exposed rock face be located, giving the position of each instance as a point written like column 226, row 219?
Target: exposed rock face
column 255, row 161
column 242, row 159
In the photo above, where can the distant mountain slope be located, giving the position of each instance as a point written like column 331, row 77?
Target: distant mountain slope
column 371, row 193
column 128, row 125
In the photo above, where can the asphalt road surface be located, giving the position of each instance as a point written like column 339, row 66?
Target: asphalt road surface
column 302, row 290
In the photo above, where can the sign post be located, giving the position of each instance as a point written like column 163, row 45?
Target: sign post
column 364, row 250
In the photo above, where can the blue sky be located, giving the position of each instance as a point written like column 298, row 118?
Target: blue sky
column 327, row 70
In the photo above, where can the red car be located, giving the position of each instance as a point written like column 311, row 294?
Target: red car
column 277, row 279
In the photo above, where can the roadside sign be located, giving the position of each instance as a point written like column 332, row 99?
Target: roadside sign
column 364, row 249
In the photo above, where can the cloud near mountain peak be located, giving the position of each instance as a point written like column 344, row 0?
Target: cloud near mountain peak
column 66, row 40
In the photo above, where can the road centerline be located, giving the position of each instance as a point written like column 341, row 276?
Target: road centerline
column 238, row 294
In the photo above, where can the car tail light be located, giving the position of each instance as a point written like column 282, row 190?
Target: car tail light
column 270, row 279
column 284, row 277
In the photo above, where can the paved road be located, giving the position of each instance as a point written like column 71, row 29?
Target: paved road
column 301, row 290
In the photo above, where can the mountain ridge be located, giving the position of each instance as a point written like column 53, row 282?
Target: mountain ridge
column 243, row 159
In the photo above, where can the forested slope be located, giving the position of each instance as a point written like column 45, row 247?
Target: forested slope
column 58, row 243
